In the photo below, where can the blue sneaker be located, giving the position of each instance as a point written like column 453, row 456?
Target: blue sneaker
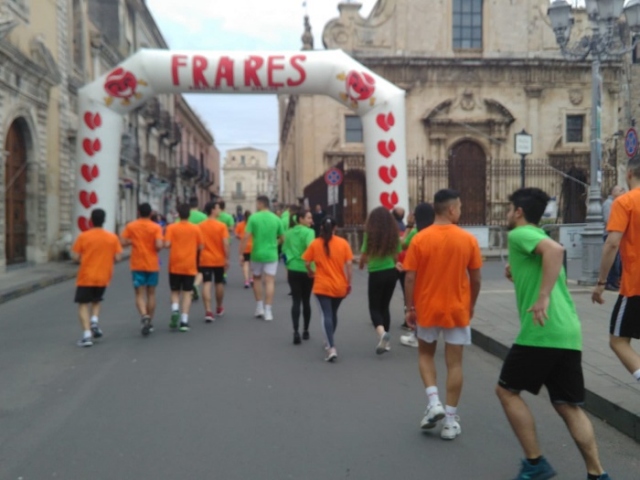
column 604, row 476
column 542, row 471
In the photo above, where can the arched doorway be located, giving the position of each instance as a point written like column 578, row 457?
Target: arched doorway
column 468, row 175
column 16, row 195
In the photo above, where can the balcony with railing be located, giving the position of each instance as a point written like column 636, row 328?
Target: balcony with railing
column 191, row 168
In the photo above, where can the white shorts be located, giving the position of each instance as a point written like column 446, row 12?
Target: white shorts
column 454, row 336
column 258, row 268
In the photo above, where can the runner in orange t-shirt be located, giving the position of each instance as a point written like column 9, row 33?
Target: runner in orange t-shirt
column 145, row 238
column 332, row 256
column 95, row 250
column 184, row 240
column 624, row 234
column 245, row 256
column 214, row 258
column 442, row 285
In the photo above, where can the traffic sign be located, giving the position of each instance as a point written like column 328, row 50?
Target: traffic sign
column 631, row 142
column 333, row 177
column 523, row 143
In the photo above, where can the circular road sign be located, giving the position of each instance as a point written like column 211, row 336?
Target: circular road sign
column 631, row 142
column 333, row 177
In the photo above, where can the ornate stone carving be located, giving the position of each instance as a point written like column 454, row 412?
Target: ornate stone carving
column 43, row 56
column 307, row 36
column 575, row 96
column 7, row 22
column 467, row 102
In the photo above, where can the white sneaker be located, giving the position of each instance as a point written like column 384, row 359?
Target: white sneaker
column 432, row 415
column 409, row 340
column 259, row 312
column 451, row 430
column 268, row 315
column 383, row 343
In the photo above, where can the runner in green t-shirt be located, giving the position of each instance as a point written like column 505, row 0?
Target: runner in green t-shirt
column 225, row 217
column 296, row 241
column 380, row 249
column 265, row 228
column 548, row 349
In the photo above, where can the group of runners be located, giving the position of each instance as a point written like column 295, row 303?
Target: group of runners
column 438, row 264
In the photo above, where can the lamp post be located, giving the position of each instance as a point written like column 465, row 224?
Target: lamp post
column 523, row 147
column 603, row 43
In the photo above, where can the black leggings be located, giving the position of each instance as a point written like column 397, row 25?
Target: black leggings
column 301, row 286
column 381, row 287
column 329, row 308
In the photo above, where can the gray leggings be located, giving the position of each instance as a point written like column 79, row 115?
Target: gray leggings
column 329, row 308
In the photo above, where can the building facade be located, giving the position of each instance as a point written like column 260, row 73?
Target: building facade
column 476, row 73
column 246, row 176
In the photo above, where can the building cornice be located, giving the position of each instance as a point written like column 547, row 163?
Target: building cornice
column 186, row 112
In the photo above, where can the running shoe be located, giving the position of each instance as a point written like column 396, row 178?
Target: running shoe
column 296, row 338
column 184, row 327
column 195, row 293
column 85, row 342
column 268, row 314
column 451, row 430
column 332, row 355
column 246, row 285
column 305, row 335
column 175, row 318
column 259, row 312
column 604, row 476
column 95, row 330
column 409, row 340
column 147, row 328
column 541, row 471
column 383, row 343
column 220, row 311
column 432, row 415
column 208, row 317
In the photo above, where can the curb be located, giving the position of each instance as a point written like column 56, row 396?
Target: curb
column 619, row 418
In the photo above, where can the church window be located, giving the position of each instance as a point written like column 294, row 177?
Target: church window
column 467, row 24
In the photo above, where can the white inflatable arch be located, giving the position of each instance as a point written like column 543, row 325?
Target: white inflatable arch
column 102, row 103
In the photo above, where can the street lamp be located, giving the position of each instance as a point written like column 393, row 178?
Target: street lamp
column 603, row 43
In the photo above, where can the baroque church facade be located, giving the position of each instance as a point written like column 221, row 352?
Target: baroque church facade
column 475, row 73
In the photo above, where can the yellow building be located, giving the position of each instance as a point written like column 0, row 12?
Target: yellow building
column 476, row 73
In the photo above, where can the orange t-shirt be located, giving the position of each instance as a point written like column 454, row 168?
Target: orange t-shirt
column 185, row 239
column 240, row 229
column 330, row 279
column 214, row 234
column 441, row 255
column 625, row 218
column 97, row 249
column 143, row 234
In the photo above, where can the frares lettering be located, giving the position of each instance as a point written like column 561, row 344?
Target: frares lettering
column 216, row 73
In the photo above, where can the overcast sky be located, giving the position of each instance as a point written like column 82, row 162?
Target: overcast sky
column 241, row 120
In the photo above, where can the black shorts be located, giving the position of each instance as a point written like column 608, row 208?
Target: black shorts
column 181, row 282
column 558, row 369
column 247, row 257
column 89, row 294
column 212, row 273
column 625, row 319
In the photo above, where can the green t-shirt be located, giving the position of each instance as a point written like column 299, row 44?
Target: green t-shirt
column 562, row 329
column 408, row 237
column 265, row 227
column 296, row 241
column 376, row 264
column 227, row 219
column 195, row 217
column 285, row 220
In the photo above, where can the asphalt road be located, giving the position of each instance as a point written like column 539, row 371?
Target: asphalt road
column 236, row 400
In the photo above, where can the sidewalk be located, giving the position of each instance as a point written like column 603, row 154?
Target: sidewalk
column 612, row 393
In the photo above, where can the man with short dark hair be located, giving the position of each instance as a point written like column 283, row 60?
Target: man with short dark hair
column 318, row 215
column 547, row 350
column 224, row 217
column 145, row 237
column 184, row 240
column 442, row 285
column 214, row 259
column 624, row 235
column 267, row 232
column 95, row 250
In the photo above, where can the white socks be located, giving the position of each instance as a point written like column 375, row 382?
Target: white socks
column 636, row 374
column 184, row 318
column 87, row 334
column 94, row 320
column 175, row 307
column 432, row 395
column 260, row 304
column 450, row 419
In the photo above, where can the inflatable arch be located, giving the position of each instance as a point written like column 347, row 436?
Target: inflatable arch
column 102, row 103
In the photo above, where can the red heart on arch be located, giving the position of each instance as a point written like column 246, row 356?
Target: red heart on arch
column 95, row 172
column 389, row 200
column 388, row 175
column 93, row 198
column 385, row 122
column 386, row 149
column 88, row 199
column 88, row 120
column 85, row 171
column 97, row 120
column 87, row 146
column 97, row 146
column 84, row 224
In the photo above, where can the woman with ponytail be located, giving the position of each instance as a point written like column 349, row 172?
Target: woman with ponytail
column 332, row 278
column 296, row 241
column 245, row 256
